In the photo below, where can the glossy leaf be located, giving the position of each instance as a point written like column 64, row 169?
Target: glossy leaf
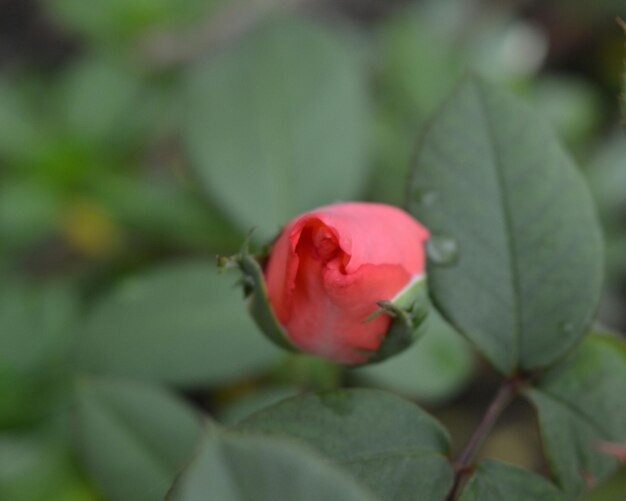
column 184, row 324
column 494, row 481
column 491, row 177
column 277, row 124
column 580, row 405
column 132, row 437
column 237, row 468
column 390, row 444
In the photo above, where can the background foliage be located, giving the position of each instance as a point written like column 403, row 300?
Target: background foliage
column 138, row 139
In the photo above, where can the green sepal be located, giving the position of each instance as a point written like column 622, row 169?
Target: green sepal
column 253, row 283
column 410, row 312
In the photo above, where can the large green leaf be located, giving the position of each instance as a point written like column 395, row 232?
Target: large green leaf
column 133, row 438
column 433, row 369
column 389, row 443
column 580, row 404
column 183, row 324
column 517, row 252
column 496, row 481
column 36, row 331
column 277, row 124
column 238, row 468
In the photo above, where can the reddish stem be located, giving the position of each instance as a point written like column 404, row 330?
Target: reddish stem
column 463, row 462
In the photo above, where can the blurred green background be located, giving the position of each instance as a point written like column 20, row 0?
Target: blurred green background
column 140, row 138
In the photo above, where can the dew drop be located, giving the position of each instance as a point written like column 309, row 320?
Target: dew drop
column 425, row 197
column 443, row 251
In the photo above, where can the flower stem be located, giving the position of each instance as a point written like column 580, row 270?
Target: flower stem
column 463, row 462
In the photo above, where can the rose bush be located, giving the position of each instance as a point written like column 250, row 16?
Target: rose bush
column 329, row 269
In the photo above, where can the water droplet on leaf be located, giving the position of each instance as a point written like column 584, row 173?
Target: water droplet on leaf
column 442, row 251
column 566, row 327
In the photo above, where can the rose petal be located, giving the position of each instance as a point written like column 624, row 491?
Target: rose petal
column 331, row 309
column 359, row 227
column 329, row 268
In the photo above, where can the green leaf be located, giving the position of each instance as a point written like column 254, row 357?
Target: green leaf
column 580, row 404
column 390, row 444
column 93, row 100
column 419, row 60
column 38, row 466
column 259, row 305
column 523, row 276
column 119, row 21
column 20, row 131
column 36, row 331
column 165, row 211
column 133, row 438
column 29, row 212
column 494, row 481
column 433, row 369
column 277, row 124
column 183, row 324
column 410, row 311
column 572, row 105
column 247, row 404
column 249, row 468
column 36, row 325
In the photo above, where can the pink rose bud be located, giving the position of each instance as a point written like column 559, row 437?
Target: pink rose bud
column 338, row 275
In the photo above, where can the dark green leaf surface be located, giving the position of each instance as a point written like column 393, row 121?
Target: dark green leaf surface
column 277, row 124
column 491, row 176
column 183, row 324
column 496, row 481
column 238, row 468
column 132, row 437
column 581, row 404
column 392, row 445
